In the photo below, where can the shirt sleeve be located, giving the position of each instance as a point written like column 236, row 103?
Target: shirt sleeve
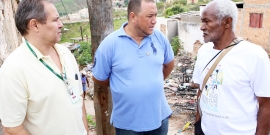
column 102, row 65
column 13, row 98
column 260, row 75
column 197, row 72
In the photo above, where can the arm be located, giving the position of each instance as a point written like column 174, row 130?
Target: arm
column 84, row 116
column 167, row 69
column 106, row 82
column 19, row 130
column 263, row 117
column 198, row 114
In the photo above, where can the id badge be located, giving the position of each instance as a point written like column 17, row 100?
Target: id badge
column 73, row 95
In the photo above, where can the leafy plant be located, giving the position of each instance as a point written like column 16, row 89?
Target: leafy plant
column 176, row 9
column 180, row 2
column 90, row 120
column 83, row 54
column 176, row 44
column 160, row 7
column 126, row 2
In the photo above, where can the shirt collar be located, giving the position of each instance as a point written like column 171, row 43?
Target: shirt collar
column 39, row 54
column 122, row 32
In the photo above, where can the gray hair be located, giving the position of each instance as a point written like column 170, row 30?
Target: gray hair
column 135, row 6
column 225, row 8
column 27, row 10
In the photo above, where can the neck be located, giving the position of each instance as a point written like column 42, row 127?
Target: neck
column 133, row 34
column 224, row 42
column 44, row 48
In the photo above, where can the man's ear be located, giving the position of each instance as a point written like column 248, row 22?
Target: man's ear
column 33, row 25
column 132, row 16
column 228, row 22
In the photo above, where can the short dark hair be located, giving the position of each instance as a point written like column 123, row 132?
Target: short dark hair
column 27, row 10
column 135, row 6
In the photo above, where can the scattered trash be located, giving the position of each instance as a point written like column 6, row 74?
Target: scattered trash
column 184, row 127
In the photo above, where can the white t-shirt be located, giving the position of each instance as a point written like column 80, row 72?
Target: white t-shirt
column 228, row 101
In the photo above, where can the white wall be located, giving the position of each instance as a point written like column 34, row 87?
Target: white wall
column 189, row 33
column 171, row 26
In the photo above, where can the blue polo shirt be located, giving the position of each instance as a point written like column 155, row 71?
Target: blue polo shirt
column 136, row 78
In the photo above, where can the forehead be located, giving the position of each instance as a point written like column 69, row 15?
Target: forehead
column 209, row 13
column 50, row 9
column 148, row 7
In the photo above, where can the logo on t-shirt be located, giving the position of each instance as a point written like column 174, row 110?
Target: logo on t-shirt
column 210, row 94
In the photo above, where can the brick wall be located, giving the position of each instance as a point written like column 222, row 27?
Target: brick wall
column 259, row 36
column 196, row 47
column 163, row 29
column 256, row 1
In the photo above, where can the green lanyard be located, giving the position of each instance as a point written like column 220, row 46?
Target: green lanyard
column 59, row 76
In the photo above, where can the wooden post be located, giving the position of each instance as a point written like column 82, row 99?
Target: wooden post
column 101, row 24
column 81, row 32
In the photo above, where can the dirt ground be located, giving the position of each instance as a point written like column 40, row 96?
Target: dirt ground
column 176, row 122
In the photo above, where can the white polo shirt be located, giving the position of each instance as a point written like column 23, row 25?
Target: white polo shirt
column 30, row 94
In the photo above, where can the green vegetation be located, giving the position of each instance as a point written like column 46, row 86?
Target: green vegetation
column 119, row 14
column 176, row 9
column 83, row 55
column 117, row 23
column 176, row 44
column 74, row 29
column 179, row 6
column 126, row 2
column 90, row 120
column 71, row 6
column 160, row 7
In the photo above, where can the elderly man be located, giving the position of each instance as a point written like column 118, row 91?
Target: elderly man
column 235, row 99
column 39, row 90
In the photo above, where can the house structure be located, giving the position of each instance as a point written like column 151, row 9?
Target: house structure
column 253, row 23
column 168, row 26
column 189, row 29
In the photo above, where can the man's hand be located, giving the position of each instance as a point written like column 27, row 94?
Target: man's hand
column 19, row 130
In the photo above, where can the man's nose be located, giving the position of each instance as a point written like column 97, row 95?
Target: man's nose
column 60, row 24
column 202, row 27
column 154, row 20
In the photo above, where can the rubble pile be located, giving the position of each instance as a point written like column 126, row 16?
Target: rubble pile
column 181, row 97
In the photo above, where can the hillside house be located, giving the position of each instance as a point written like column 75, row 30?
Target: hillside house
column 253, row 22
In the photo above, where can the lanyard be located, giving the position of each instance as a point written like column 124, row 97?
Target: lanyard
column 63, row 77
